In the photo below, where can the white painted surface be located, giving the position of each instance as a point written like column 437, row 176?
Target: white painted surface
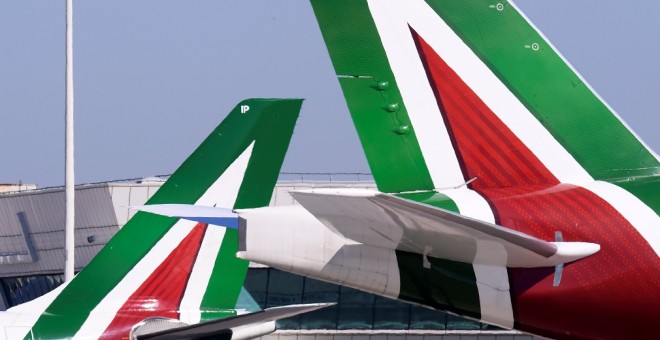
column 200, row 275
column 642, row 218
column 389, row 222
column 471, row 204
column 493, row 285
column 418, row 97
column 291, row 239
column 224, row 191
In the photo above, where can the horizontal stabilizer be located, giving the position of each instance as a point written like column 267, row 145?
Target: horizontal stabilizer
column 224, row 328
column 387, row 221
column 210, row 215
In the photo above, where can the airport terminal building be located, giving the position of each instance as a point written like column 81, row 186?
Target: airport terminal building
column 32, row 253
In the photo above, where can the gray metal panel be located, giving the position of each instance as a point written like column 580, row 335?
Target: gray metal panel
column 120, row 198
column 94, row 208
column 85, row 254
column 43, row 220
column 138, row 196
column 281, row 194
column 101, row 209
column 153, row 188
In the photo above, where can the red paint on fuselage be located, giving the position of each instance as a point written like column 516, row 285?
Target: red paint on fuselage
column 612, row 294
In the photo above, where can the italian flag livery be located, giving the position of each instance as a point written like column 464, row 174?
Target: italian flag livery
column 464, row 106
column 164, row 267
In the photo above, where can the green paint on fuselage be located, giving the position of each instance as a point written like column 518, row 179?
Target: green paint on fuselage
column 432, row 198
column 647, row 189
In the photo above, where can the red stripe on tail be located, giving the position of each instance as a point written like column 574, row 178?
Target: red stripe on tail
column 600, row 292
column 488, row 149
column 160, row 295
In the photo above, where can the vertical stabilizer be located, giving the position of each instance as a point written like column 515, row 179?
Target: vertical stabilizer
column 166, row 267
column 418, row 74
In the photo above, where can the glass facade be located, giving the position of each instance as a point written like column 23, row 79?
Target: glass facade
column 354, row 309
column 271, row 287
column 18, row 290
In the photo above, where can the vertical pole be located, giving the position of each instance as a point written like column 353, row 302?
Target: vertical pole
column 68, row 168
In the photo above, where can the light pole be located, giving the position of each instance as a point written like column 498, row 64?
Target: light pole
column 68, row 144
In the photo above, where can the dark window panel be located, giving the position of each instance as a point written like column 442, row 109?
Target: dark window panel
column 285, row 289
column 318, row 291
column 356, row 309
column 458, row 323
column 487, row 327
column 391, row 314
column 42, row 287
column 256, row 282
column 426, row 318
column 23, row 289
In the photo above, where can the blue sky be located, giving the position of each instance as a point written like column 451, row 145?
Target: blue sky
column 153, row 76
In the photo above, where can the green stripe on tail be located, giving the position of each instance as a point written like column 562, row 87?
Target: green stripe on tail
column 269, row 122
column 262, row 172
column 373, row 97
column 548, row 87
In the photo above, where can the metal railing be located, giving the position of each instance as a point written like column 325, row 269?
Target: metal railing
column 333, row 177
column 325, row 177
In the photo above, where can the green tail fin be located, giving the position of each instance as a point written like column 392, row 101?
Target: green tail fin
column 236, row 166
column 401, row 65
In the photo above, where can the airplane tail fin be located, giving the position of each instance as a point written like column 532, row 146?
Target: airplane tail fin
column 165, row 267
column 443, row 92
